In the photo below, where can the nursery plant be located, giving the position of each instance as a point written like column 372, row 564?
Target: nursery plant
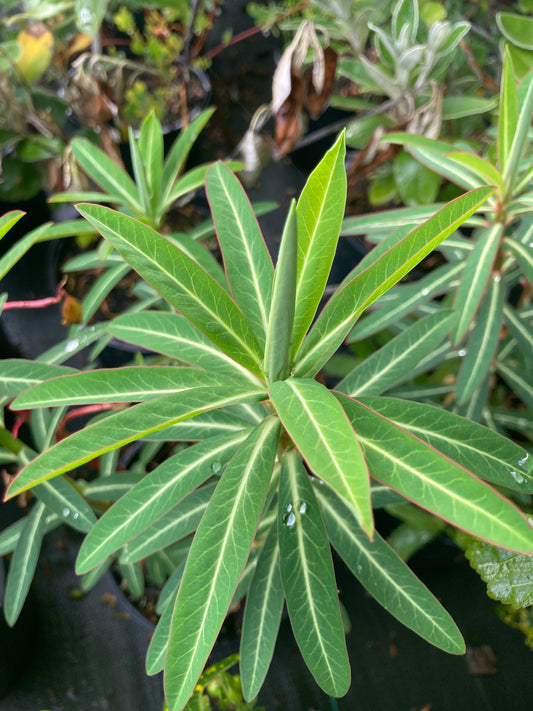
column 284, row 465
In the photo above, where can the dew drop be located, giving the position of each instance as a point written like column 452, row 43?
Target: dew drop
column 288, row 518
column 531, row 244
column 359, row 568
column 75, row 515
column 518, row 478
column 65, row 512
column 425, row 292
column 462, row 352
column 303, row 507
column 521, row 462
column 498, row 278
column 71, row 345
column 216, row 466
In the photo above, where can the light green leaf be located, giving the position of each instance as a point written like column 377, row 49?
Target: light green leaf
column 152, row 153
column 23, row 562
column 106, row 173
column 320, row 429
column 523, row 255
column 216, row 560
column 181, row 281
column 383, row 368
column 100, row 289
column 112, row 487
column 423, row 475
column 309, row 580
column 388, row 220
column 281, row 316
column 508, row 575
column 202, row 256
column 475, row 278
column 246, row 259
column 486, row 453
column 139, row 173
column 155, row 656
column 262, row 616
column 519, row 139
column 17, row 374
column 19, row 249
column 482, row 343
column 341, row 312
column 320, row 211
column 508, row 112
column 9, row 219
column 124, row 427
column 518, row 29
column 481, row 166
column 89, row 15
column 415, row 183
column 61, row 497
column 457, row 107
column 386, row 577
column 128, row 384
column 521, row 330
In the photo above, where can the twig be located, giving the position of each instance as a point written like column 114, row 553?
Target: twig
column 38, row 303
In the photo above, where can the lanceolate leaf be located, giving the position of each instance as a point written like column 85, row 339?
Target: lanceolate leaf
column 386, row 577
column 475, row 278
column 17, row 374
column 124, row 427
column 155, row 656
column 151, row 151
column 8, row 220
column 23, row 562
column 485, row 452
column 521, row 329
column 181, row 281
column 173, row 335
column 246, row 259
column 127, row 384
column 309, row 581
column 160, row 491
column 523, row 255
column 324, row 435
column 482, row 343
column 385, row 367
column 520, row 382
column 262, row 616
column 341, row 312
column 281, row 316
column 320, row 211
column 508, row 111
column 216, row 560
column 423, row 475
column 61, row 497
column 520, row 138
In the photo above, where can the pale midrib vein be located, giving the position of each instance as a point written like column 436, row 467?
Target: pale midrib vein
column 130, row 196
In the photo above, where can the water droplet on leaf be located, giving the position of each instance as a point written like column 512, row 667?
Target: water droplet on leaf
column 521, row 462
column 71, row 345
column 65, row 512
column 215, row 466
column 518, row 478
column 462, row 352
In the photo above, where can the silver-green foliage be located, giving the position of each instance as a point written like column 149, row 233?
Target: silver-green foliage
column 282, row 467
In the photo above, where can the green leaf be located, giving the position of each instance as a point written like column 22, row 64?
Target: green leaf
column 61, row 497
column 179, row 151
column 521, row 330
column 181, row 281
column 136, row 383
column 486, row 453
column 152, row 153
column 518, row 29
column 281, row 317
column 523, row 255
column 124, row 427
column 262, row 616
column 24, row 562
column 100, row 290
column 341, row 312
column 508, row 111
column 89, row 15
column 520, row 140
column 508, row 575
column 434, row 482
column 107, row 174
column 155, row 656
column 202, row 256
column 475, row 278
column 156, row 494
column 383, row 368
column 216, row 560
column 415, row 183
column 406, row 15
column 386, row 577
column 320, row 211
column 17, row 374
column 482, row 343
column 139, row 173
column 486, row 171
column 518, row 381
column 246, row 259
column 19, row 249
column 175, row 524
column 320, row 429
column 174, row 336
column 457, row 107
column 8, row 220
column 309, row 580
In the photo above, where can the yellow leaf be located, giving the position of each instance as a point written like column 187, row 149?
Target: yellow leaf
column 36, row 43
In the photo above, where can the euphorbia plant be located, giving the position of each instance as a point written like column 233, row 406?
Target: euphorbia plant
column 282, row 467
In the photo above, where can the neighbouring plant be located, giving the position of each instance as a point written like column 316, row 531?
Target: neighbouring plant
column 282, row 467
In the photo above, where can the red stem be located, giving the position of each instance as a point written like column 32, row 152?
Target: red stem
column 38, row 303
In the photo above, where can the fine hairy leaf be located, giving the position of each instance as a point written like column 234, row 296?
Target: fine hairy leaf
column 216, row 560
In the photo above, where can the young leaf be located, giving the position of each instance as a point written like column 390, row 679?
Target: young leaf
column 482, row 343
column 341, row 312
column 434, row 482
column 181, row 281
column 386, row 577
column 151, row 152
column 386, row 366
column 246, row 259
column 14, row 253
column 124, row 427
column 262, row 616
column 139, row 173
column 23, row 562
column 216, row 560
column 281, row 316
column 320, row 429
column 309, row 580
column 135, row 383
column 320, row 211
column 476, row 275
